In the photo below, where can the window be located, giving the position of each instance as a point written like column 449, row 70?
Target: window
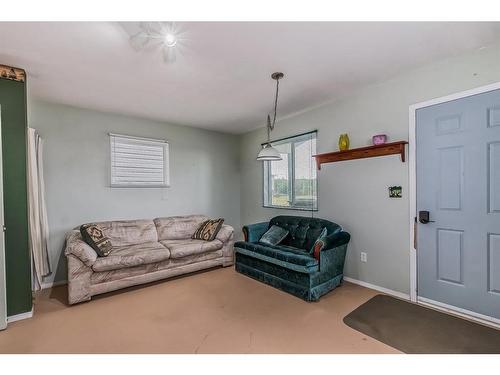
column 291, row 182
column 138, row 162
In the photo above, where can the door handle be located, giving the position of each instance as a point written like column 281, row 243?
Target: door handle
column 423, row 217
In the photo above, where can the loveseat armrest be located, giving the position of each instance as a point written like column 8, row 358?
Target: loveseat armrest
column 253, row 232
column 79, row 248
column 224, row 233
column 332, row 256
column 336, row 239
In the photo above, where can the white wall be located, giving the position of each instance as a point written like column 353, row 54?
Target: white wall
column 354, row 193
column 204, row 172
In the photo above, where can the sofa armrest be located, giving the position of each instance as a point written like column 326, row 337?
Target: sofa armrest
column 224, row 233
column 79, row 248
column 253, row 232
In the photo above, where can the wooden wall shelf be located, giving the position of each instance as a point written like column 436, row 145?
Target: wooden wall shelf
column 363, row 152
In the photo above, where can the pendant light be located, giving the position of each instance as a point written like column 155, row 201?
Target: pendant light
column 268, row 152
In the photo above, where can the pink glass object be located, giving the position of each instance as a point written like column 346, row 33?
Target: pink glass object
column 379, row 139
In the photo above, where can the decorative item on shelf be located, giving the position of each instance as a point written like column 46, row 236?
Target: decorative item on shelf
column 395, row 192
column 344, row 142
column 379, row 139
column 268, row 152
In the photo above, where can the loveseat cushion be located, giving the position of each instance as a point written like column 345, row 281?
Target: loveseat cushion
column 131, row 256
column 273, row 236
column 186, row 247
column 303, row 231
column 284, row 256
column 178, row 227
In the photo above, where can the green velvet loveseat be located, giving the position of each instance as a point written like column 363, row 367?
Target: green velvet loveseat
column 293, row 265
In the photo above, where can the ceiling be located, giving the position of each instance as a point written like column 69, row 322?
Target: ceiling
column 221, row 79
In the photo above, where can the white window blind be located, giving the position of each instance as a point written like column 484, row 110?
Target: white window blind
column 138, row 162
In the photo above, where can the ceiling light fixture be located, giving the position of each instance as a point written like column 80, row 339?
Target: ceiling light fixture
column 162, row 35
column 268, row 152
column 170, row 40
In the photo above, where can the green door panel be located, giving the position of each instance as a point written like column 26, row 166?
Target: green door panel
column 17, row 257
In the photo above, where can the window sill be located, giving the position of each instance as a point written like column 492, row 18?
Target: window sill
column 292, row 208
column 138, row 186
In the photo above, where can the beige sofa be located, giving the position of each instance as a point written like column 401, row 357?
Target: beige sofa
column 143, row 251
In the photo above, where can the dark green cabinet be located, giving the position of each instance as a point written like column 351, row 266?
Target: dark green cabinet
column 17, row 256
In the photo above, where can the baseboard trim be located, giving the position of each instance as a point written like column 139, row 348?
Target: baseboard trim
column 462, row 313
column 22, row 316
column 378, row 288
column 52, row 284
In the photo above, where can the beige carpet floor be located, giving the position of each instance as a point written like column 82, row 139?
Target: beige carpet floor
column 218, row 311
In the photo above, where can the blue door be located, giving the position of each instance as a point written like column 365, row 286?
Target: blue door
column 458, row 203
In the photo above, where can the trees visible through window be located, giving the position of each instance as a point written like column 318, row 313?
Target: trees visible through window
column 291, row 182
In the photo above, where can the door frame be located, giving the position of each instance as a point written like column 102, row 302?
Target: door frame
column 412, row 149
column 3, row 281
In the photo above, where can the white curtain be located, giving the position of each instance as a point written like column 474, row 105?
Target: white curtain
column 38, row 224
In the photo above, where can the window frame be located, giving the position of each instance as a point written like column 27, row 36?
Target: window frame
column 267, row 193
column 166, row 162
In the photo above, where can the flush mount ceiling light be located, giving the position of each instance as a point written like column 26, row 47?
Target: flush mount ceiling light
column 163, row 35
column 268, row 152
column 170, row 40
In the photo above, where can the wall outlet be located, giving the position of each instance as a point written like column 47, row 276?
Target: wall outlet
column 364, row 257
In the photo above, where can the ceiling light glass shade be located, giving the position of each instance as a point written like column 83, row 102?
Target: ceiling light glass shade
column 268, row 152
column 158, row 35
column 170, row 40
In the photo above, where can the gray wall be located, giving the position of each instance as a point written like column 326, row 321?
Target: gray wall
column 204, row 172
column 354, row 193
column 217, row 174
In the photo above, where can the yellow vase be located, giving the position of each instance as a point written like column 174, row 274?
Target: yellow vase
column 344, row 142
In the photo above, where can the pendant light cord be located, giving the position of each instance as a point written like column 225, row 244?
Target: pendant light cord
column 276, row 101
column 270, row 126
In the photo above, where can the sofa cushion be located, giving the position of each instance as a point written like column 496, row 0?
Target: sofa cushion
column 131, row 256
column 94, row 236
column 208, row 230
column 284, row 256
column 129, row 232
column 186, row 247
column 144, row 269
column 303, row 231
column 225, row 233
column 178, row 227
